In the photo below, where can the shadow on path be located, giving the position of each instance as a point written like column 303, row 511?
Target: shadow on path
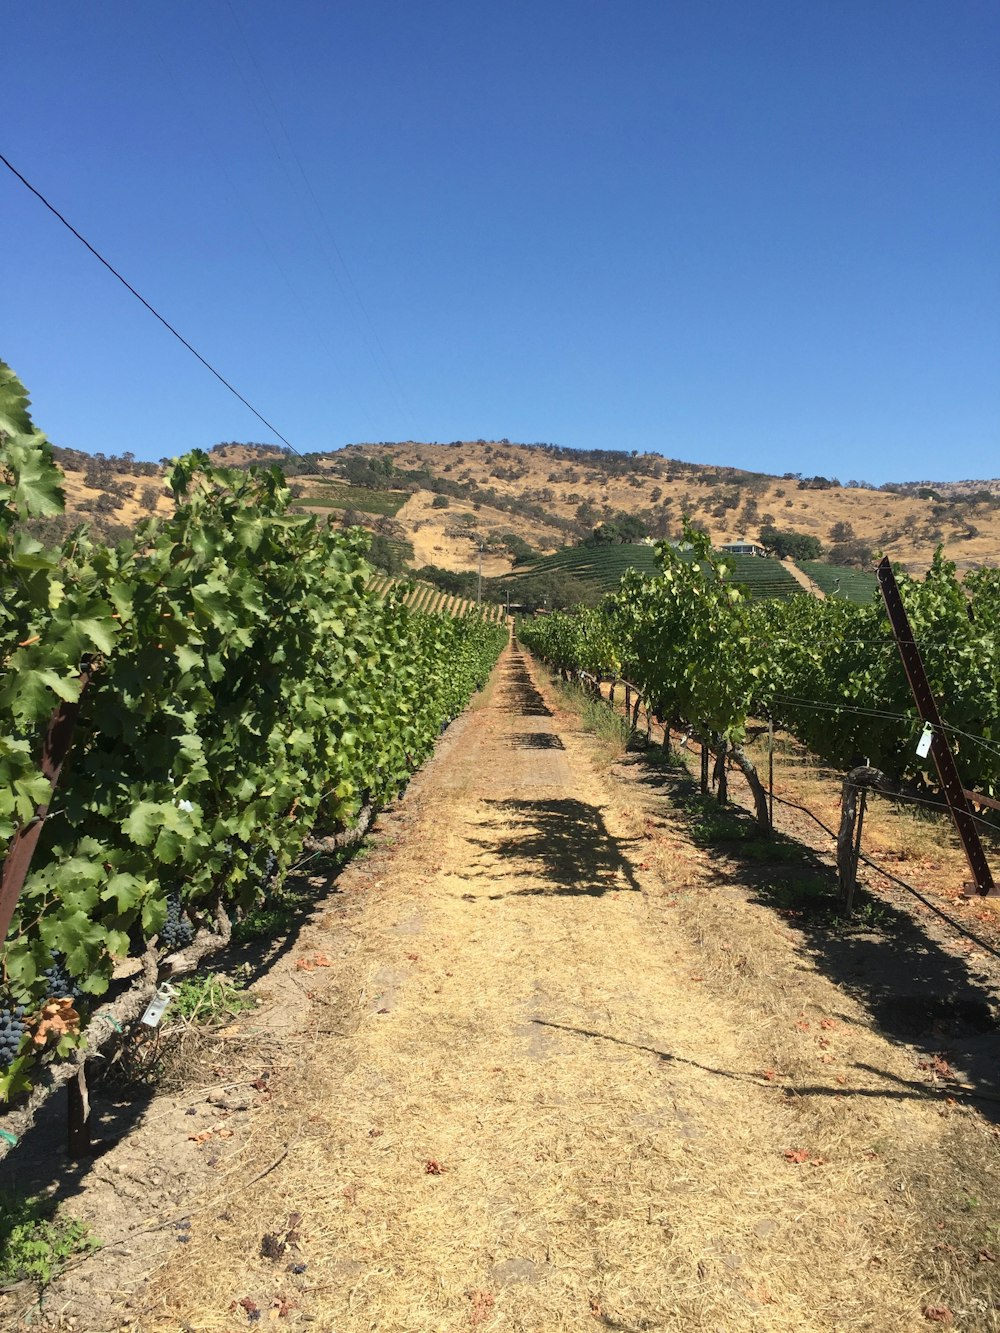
column 563, row 842
column 537, row 740
column 518, row 693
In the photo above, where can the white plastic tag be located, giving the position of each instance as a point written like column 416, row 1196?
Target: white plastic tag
column 924, row 743
column 157, row 1005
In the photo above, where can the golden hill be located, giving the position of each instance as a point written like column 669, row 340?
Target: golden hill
column 551, row 497
column 728, row 502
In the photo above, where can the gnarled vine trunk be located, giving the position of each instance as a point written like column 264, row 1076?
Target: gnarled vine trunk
column 757, row 789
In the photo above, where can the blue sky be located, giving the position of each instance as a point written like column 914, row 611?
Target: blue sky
column 761, row 234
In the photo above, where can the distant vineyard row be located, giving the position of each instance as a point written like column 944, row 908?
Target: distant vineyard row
column 426, row 598
column 603, row 567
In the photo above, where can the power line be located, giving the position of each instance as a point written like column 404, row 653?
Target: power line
column 152, row 310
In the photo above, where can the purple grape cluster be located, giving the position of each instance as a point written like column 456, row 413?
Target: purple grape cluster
column 12, row 1027
column 270, row 870
column 177, row 931
column 59, row 985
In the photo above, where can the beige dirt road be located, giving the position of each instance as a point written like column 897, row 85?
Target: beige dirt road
column 552, row 1073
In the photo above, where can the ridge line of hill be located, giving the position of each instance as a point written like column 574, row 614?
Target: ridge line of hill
column 452, row 506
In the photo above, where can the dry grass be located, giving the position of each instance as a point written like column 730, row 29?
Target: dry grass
column 900, row 526
column 843, row 1083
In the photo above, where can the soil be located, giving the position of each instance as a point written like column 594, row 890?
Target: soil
column 543, row 1060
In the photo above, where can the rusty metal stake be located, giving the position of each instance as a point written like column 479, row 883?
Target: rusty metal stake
column 17, row 863
column 944, row 760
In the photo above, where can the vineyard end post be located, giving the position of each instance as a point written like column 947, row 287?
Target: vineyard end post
column 927, row 709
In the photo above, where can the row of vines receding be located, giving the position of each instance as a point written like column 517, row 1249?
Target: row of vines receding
column 707, row 657
column 247, row 690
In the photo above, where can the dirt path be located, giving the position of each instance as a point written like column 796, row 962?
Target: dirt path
column 549, row 1083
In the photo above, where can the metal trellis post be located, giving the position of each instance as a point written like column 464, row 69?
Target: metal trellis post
column 944, row 760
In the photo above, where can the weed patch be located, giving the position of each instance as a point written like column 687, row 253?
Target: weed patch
column 209, row 998
column 602, row 722
column 35, row 1245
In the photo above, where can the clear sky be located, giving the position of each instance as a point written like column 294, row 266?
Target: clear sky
column 763, row 233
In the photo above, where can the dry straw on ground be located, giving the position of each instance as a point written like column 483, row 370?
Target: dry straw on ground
column 568, row 1070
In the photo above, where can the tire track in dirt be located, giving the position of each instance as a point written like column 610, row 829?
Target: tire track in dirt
column 536, row 1116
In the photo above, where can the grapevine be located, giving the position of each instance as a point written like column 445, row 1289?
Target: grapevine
column 12, row 1029
column 248, row 690
column 58, row 982
column 828, row 671
column 177, row 931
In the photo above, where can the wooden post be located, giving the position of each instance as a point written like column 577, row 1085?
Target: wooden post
column 862, row 802
column 78, row 1142
column 770, row 771
column 722, row 777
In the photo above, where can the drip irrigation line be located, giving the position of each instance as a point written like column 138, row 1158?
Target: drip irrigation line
column 940, row 807
column 879, row 712
column 956, row 925
column 901, row 883
column 152, row 309
column 782, row 800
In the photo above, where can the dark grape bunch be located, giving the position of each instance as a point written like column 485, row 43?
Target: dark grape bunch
column 177, row 931
column 270, row 870
column 59, row 985
column 12, row 1027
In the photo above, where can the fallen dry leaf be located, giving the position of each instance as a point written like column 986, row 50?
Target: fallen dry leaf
column 310, row 964
column 482, row 1306
column 58, row 1017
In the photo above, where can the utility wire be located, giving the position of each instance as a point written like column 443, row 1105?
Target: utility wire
column 152, row 310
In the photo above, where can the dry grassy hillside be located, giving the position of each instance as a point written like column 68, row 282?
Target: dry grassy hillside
column 729, row 503
column 550, row 499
